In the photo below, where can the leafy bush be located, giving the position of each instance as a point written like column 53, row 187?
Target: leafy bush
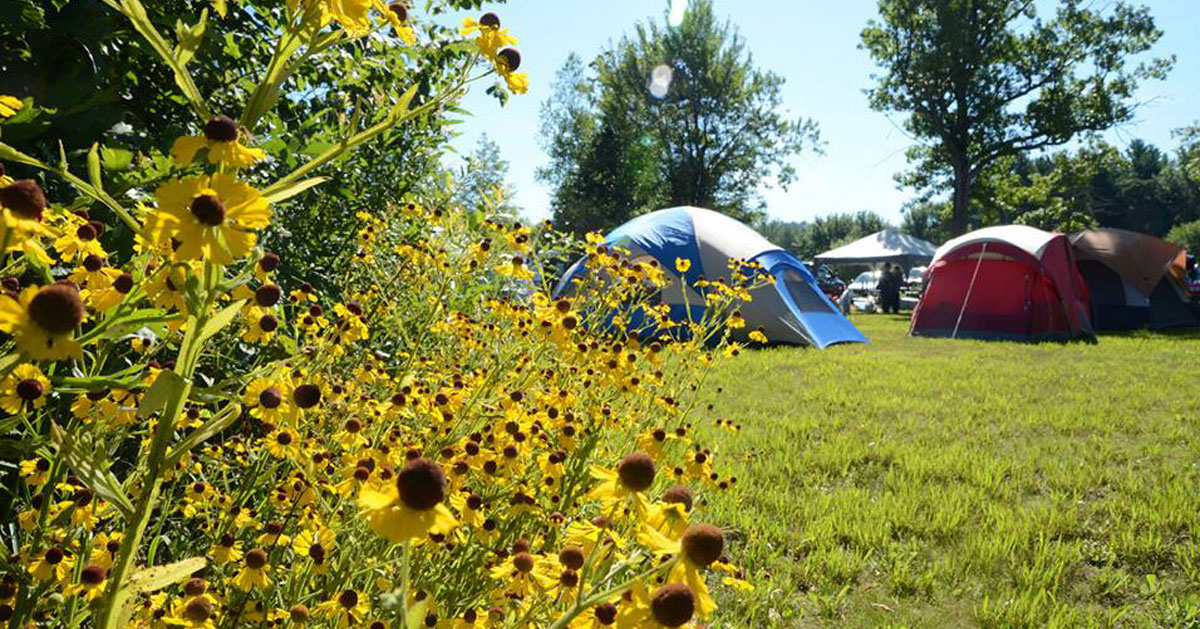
column 431, row 441
column 1187, row 236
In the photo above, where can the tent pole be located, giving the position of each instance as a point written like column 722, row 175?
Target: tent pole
column 970, row 287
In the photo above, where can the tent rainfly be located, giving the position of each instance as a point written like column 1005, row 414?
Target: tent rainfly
column 884, row 246
column 791, row 310
column 1135, row 280
column 1007, row 282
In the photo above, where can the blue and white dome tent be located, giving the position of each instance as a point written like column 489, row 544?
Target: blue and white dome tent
column 791, row 310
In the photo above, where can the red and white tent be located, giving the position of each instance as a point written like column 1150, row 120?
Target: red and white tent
column 1009, row 282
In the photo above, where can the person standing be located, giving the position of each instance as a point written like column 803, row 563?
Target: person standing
column 897, row 287
column 885, row 287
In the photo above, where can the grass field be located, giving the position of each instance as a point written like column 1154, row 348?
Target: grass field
column 937, row 483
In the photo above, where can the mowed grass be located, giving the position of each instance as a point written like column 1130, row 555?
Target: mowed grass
column 920, row 482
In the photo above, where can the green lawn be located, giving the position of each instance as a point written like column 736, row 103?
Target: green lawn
column 920, row 482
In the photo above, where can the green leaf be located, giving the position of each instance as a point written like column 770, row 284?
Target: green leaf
column 167, row 383
column 116, row 158
column 219, row 321
column 93, row 163
column 149, row 580
column 291, row 190
column 93, row 473
column 206, row 431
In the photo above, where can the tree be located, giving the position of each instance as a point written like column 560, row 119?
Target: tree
column 826, row 232
column 982, row 80
column 482, row 180
column 670, row 115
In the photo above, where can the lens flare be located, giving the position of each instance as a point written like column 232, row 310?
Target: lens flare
column 660, row 80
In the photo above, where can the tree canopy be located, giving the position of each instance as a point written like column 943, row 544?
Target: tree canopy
column 669, row 115
column 984, row 80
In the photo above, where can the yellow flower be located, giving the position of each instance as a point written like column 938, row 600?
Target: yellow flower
column 490, row 38
column 254, row 571
column 43, row 320
column 397, row 14
column 699, row 547
column 683, row 265
column 758, row 337
column 22, row 205
column 92, row 582
column 221, row 139
column 211, row 217
column 9, row 106
column 670, row 606
column 24, row 387
column 347, row 609
column 625, row 488
column 518, row 82
column 412, row 507
column 51, row 565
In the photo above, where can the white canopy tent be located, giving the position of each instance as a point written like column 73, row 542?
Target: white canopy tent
column 884, row 246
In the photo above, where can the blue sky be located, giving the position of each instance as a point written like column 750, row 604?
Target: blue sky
column 813, row 45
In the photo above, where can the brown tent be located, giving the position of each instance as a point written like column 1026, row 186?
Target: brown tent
column 1135, row 280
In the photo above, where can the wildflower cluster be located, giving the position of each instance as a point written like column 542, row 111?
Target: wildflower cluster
column 434, row 442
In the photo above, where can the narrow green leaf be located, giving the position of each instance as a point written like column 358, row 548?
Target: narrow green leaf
column 94, row 474
column 93, row 166
column 206, row 431
column 165, row 385
column 219, row 321
column 293, row 189
column 149, row 580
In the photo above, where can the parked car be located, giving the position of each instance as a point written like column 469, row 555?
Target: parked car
column 864, row 284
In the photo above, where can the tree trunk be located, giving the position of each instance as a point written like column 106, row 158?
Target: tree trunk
column 961, row 213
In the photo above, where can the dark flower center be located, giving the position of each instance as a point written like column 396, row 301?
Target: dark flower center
column 490, row 20
column 221, row 129
column 267, row 295
column 195, row 587
column 422, row 484
column 307, row 395
column 25, row 198
column 86, row 232
column 93, row 575
column 606, row 614
column 399, row 10
column 54, row 556
column 30, row 390
column 268, row 323
column 673, row 605
column 198, row 609
column 512, row 58
column 270, row 398
column 348, row 599
column 298, row 613
column 269, row 262
column 123, row 283
column 703, row 544
column 256, row 559
column 93, row 263
column 571, row 557
column 523, row 562
column 679, row 494
column 284, row 438
column 208, row 209
column 636, row 471
column 57, row 308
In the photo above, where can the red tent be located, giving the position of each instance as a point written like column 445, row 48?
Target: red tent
column 1010, row 282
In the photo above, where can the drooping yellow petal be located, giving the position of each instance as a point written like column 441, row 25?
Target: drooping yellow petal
column 184, row 149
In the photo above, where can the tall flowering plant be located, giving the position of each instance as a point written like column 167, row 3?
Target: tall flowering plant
column 440, row 444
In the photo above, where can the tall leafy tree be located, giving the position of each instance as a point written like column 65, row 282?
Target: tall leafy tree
column 669, row 115
column 982, row 80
